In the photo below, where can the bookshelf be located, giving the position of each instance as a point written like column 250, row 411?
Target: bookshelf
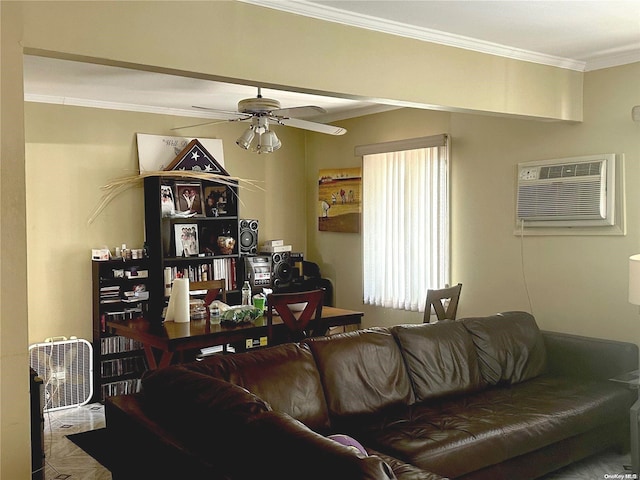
column 202, row 246
column 120, row 290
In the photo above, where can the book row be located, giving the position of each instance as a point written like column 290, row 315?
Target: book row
column 218, row 268
column 115, row 294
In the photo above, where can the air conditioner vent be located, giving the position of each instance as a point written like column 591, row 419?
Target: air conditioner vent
column 571, row 170
column 570, row 193
column 561, row 200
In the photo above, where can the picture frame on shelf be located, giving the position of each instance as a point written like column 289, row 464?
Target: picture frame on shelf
column 215, row 201
column 209, row 240
column 189, row 197
column 167, row 200
column 186, row 239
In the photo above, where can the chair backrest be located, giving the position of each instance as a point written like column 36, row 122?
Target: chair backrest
column 438, row 298
column 296, row 310
column 214, row 289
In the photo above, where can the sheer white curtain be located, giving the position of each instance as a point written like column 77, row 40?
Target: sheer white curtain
column 406, row 224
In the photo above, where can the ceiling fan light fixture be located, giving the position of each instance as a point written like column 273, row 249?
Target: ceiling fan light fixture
column 244, row 141
column 268, row 142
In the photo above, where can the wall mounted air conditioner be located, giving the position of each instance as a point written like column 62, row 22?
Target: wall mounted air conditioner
column 568, row 192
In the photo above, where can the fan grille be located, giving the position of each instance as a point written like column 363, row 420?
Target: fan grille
column 66, row 368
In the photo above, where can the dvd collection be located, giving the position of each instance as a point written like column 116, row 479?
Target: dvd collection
column 123, row 387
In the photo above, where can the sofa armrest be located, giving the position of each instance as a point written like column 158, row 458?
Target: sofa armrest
column 145, row 449
column 284, row 448
column 193, row 405
column 586, row 357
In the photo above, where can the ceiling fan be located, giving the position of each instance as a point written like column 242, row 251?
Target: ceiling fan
column 263, row 112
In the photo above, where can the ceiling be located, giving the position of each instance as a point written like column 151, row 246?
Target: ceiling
column 574, row 34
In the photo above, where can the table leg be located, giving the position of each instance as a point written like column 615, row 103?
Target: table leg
column 151, row 358
column 165, row 361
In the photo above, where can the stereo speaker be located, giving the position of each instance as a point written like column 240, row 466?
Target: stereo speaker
column 297, row 261
column 248, row 237
column 281, row 269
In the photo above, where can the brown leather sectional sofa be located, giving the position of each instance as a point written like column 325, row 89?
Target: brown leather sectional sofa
column 478, row 398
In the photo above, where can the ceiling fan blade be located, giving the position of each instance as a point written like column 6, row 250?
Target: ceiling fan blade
column 225, row 114
column 199, row 124
column 313, row 126
column 303, row 111
column 212, row 122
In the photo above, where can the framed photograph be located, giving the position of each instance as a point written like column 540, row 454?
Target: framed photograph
column 167, row 201
column 208, row 240
column 215, row 201
column 189, row 197
column 186, row 237
column 340, row 200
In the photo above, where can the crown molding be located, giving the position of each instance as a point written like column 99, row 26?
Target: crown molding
column 612, row 60
column 331, row 14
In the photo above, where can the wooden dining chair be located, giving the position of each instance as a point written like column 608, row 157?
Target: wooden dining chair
column 444, row 302
column 214, row 288
column 296, row 310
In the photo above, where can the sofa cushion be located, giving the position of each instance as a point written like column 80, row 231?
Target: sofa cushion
column 496, row 424
column 362, row 372
column 440, row 358
column 285, row 376
column 510, row 346
column 403, row 470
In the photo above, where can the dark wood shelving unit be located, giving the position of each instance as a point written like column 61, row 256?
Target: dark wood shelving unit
column 211, row 262
column 115, row 356
column 119, row 361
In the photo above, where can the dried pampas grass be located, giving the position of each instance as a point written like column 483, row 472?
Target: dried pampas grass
column 116, row 187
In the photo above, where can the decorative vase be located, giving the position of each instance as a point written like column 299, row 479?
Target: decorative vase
column 226, row 244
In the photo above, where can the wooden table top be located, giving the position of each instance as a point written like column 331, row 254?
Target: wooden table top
column 201, row 333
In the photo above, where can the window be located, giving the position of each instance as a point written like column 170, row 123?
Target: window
column 405, row 220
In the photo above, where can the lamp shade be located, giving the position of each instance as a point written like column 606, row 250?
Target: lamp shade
column 246, row 138
column 634, row 279
column 269, row 142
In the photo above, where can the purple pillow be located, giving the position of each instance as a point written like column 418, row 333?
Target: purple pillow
column 349, row 442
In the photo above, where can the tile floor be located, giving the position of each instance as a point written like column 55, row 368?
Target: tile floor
column 66, row 461
column 63, row 459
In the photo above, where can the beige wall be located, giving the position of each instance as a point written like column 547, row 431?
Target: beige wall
column 14, row 388
column 71, row 152
column 312, row 56
column 577, row 283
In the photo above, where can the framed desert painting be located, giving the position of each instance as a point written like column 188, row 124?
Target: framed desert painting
column 340, row 200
